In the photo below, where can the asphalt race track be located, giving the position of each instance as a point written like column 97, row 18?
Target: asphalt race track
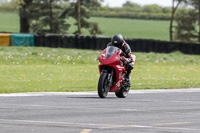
column 160, row 111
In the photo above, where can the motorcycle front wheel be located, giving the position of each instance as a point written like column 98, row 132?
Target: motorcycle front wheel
column 103, row 85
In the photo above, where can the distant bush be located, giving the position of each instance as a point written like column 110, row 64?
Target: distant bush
column 6, row 6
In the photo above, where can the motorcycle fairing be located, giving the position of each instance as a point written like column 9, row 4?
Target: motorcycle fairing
column 111, row 57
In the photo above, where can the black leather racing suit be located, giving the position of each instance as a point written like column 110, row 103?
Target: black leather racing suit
column 128, row 59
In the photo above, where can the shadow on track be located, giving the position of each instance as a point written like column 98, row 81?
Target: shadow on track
column 85, row 97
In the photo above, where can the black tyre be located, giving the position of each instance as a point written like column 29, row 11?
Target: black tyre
column 103, row 85
column 123, row 92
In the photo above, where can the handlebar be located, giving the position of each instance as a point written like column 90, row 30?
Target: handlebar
column 122, row 53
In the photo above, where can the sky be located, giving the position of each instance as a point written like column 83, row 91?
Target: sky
column 119, row 3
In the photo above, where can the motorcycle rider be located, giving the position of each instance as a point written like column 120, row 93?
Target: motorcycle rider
column 118, row 41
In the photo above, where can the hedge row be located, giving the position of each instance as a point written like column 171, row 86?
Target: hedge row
column 100, row 43
column 131, row 15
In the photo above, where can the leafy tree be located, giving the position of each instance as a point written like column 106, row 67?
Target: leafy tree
column 8, row 6
column 166, row 10
column 196, row 4
column 152, row 8
column 79, row 10
column 187, row 21
column 186, row 26
column 174, row 8
column 130, row 4
column 44, row 16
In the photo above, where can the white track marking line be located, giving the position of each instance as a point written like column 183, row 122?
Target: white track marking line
column 153, row 127
column 164, row 91
column 95, row 93
column 28, row 94
column 53, row 122
column 176, row 128
column 97, row 126
column 175, row 123
column 122, row 126
column 62, row 107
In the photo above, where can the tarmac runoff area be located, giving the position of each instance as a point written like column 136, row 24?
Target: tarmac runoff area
column 143, row 111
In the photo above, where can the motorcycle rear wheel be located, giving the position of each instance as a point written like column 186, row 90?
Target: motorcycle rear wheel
column 103, row 85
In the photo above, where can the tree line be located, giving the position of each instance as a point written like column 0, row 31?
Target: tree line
column 134, row 11
column 50, row 16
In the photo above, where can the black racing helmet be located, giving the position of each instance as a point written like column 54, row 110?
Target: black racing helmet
column 117, row 40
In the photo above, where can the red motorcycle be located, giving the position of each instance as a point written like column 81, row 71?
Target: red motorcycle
column 112, row 72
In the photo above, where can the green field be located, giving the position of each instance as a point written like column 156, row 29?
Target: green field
column 9, row 22
column 32, row 69
column 129, row 28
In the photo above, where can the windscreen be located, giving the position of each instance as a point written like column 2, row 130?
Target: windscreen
column 111, row 50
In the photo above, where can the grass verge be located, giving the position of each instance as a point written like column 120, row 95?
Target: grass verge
column 32, row 69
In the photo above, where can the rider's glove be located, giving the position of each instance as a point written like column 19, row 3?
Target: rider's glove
column 125, row 60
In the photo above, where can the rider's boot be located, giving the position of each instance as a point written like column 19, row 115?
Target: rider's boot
column 128, row 79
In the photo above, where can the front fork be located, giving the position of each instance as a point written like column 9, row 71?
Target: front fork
column 110, row 76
